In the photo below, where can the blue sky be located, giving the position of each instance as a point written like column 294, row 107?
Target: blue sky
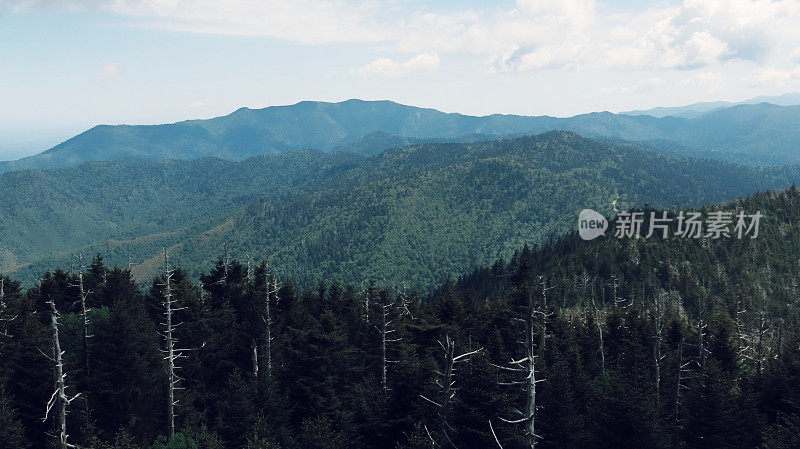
column 68, row 65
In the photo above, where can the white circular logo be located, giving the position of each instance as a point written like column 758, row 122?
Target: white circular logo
column 591, row 224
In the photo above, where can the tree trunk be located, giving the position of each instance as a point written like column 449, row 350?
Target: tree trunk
column 172, row 354
column 85, row 337
column 59, row 398
column 386, row 330
column 268, row 322
column 254, row 358
column 600, row 336
column 658, row 324
column 530, row 409
column 447, row 391
column 527, row 366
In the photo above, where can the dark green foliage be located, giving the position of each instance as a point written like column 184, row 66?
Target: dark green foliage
column 320, row 432
column 123, row 440
column 176, row 442
column 784, row 435
column 325, row 389
column 12, row 434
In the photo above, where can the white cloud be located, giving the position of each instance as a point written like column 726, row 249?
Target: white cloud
column 710, row 81
column 302, row 21
column 646, row 85
column 772, row 78
column 710, row 77
column 425, row 62
column 536, row 34
column 541, row 34
column 700, row 33
column 531, row 35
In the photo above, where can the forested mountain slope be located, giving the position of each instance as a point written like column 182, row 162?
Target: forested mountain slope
column 761, row 134
column 377, row 142
column 418, row 213
column 635, row 342
column 49, row 212
column 422, row 213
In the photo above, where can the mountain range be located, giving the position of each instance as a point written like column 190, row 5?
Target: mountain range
column 754, row 134
column 364, row 189
column 697, row 109
column 416, row 214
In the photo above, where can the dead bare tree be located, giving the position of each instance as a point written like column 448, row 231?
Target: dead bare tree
column 249, row 266
column 599, row 324
column 386, row 330
column 657, row 314
column 84, row 295
column 761, row 332
column 588, row 284
column 2, row 294
column 682, row 375
column 172, row 355
column 542, row 312
column 446, row 389
column 618, row 301
column 497, row 440
column 4, row 316
column 59, row 399
column 403, row 302
column 254, row 357
column 271, row 292
column 752, row 339
column 701, row 333
column 535, row 320
column 369, row 290
column 779, row 323
column 741, row 333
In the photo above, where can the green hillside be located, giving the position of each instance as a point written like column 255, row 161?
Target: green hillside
column 416, row 214
column 422, row 213
column 45, row 213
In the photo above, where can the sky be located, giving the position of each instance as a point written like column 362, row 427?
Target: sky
column 68, row 65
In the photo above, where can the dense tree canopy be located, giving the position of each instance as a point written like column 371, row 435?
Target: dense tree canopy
column 638, row 343
column 417, row 214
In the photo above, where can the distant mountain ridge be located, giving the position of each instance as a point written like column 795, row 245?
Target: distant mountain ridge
column 248, row 132
column 760, row 134
column 697, row 109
